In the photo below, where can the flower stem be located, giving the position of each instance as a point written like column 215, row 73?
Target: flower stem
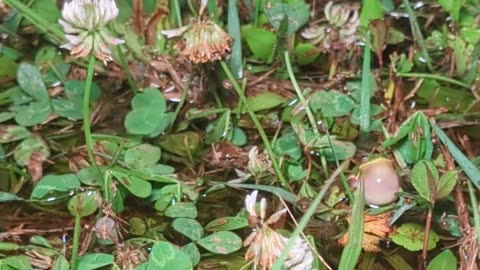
column 76, row 240
column 86, row 112
column 257, row 123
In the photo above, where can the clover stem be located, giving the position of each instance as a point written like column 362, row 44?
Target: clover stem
column 76, row 240
column 258, row 125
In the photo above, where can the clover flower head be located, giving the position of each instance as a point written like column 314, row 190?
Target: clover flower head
column 84, row 23
column 258, row 163
column 265, row 245
column 340, row 29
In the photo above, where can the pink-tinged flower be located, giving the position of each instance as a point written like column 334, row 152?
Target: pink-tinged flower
column 84, row 23
column 266, row 244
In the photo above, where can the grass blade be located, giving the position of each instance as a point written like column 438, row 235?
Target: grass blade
column 467, row 166
column 233, row 28
column 476, row 215
column 417, row 34
column 365, row 88
column 352, row 250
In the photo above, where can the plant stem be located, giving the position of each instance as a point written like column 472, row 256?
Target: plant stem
column 435, row 77
column 124, row 65
column 257, row 124
column 86, row 113
column 428, row 224
column 76, row 240
column 300, row 96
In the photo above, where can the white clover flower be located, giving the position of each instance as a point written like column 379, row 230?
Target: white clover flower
column 84, row 23
column 340, row 29
column 266, row 244
column 258, row 163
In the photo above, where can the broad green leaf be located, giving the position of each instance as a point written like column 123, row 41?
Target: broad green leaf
column 61, row 263
column 181, row 144
column 288, row 144
column 9, row 197
column 5, row 116
column 223, row 242
column 218, row 130
column 424, row 178
column 70, row 106
column 452, row 7
column 261, row 42
column 28, row 147
column 165, row 256
column 137, row 186
column 182, row 210
column 59, row 183
column 303, row 53
column 94, row 261
column 296, row 12
column 10, row 133
column 265, row 100
column 20, row 262
column 446, row 183
column 343, row 150
column 192, row 250
column 142, row 156
column 138, row 226
column 33, row 113
column 371, row 10
column 40, row 241
column 227, row 224
column 164, row 197
column 148, row 113
column 410, row 236
column 332, row 103
column 30, row 80
column 446, row 260
column 48, row 10
column 83, row 204
column 188, row 227
column 8, row 68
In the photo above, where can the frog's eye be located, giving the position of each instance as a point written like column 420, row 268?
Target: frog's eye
column 381, row 182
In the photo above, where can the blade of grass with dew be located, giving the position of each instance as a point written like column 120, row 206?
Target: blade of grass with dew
column 308, row 215
column 417, row 34
column 233, row 27
column 467, row 166
column 435, row 77
column 476, row 215
column 353, row 249
column 280, row 192
column 365, row 89
column 256, row 122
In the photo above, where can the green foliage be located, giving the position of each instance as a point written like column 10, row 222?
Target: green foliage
column 148, row 116
column 70, row 106
column 165, row 256
column 410, row 236
column 55, row 183
column 188, row 227
column 223, row 242
column 83, row 204
column 444, row 261
column 182, row 210
column 94, row 261
column 261, row 42
column 332, row 103
column 295, row 12
column 227, row 224
column 28, row 147
column 430, row 186
column 10, row 133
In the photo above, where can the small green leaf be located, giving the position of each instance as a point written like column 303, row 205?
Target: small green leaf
column 446, row 260
column 60, row 183
column 182, row 210
column 83, row 204
column 181, row 143
column 343, row 150
column 61, row 263
column 137, row 186
column 371, row 10
column 410, row 236
column 165, row 256
column 261, row 42
column 304, row 55
column 332, row 103
column 265, row 100
column 446, row 183
column 142, row 156
column 296, row 12
column 148, row 113
column 94, row 261
column 424, row 178
column 33, row 113
column 288, row 145
column 10, row 133
column 192, row 250
column 223, row 242
column 20, row 262
column 9, row 197
column 188, row 227
column 30, row 80
column 28, row 147
column 227, row 224
column 71, row 105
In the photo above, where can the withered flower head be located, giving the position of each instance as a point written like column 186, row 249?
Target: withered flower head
column 84, row 24
column 266, row 244
column 340, row 29
column 375, row 229
column 258, row 163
